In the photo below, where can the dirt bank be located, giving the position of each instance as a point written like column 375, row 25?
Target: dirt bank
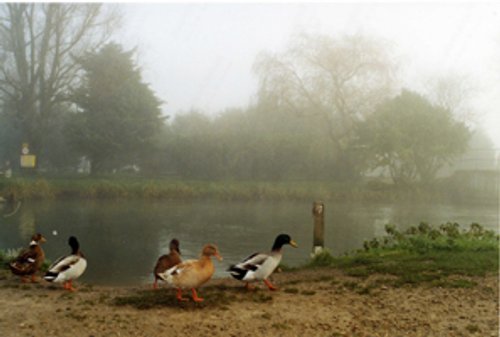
column 320, row 302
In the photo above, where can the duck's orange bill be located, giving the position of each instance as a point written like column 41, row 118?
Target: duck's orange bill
column 217, row 255
column 293, row 244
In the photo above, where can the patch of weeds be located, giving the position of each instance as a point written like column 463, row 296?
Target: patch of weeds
column 457, row 283
column 325, row 279
column 353, row 286
column 118, row 319
column 87, row 288
column 322, row 259
column 367, row 290
column 423, row 254
column 359, row 289
column 103, row 298
column 488, row 291
column 67, row 295
column 280, row 326
column 364, row 291
column 87, row 302
column 291, row 290
column 361, row 272
column 266, row 315
column 337, row 334
column 382, row 282
column 472, row 328
column 76, row 316
column 308, row 292
column 261, row 297
column 417, row 278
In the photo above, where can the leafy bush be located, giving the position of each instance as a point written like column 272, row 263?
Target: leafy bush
column 423, row 253
column 321, row 259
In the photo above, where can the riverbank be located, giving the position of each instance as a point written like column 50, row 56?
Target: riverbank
column 423, row 282
column 310, row 302
column 177, row 189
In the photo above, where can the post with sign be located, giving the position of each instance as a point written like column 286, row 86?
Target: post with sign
column 28, row 161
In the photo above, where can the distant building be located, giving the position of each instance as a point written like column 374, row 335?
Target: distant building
column 483, row 181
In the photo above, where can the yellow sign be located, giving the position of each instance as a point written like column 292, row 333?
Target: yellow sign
column 28, row 161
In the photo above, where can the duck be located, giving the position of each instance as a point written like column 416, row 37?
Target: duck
column 259, row 266
column 191, row 274
column 167, row 261
column 29, row 261
column 68, row 267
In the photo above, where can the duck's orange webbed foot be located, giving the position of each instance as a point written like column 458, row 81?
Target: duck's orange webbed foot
column 195, row 296
column 68, row 285
column 270, row 285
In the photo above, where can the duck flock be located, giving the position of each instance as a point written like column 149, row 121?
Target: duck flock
column 170, row 268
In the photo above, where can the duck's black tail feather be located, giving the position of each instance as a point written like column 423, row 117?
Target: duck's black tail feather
column 237, row 273
column 50, row 276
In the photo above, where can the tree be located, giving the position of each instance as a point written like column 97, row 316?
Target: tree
column 38, row 46
column 412, row 138
column 453, row 92
column 118, row 115
column 336, row 80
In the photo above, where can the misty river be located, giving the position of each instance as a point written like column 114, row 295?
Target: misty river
column 123, row 239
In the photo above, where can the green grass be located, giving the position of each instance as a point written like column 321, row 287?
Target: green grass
column 423, row 254
column 137, row 187
column 120, row 187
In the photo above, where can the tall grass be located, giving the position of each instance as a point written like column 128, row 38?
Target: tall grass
column 139, row 187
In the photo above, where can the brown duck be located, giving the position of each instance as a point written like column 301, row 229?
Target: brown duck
column 191, row 274
column 29, row 261
column 167, row 261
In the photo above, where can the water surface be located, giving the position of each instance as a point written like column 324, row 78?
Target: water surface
column 123, row 239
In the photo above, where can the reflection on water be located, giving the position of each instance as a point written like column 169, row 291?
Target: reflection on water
column 123, row 239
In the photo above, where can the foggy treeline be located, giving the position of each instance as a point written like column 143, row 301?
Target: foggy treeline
column 326, row 108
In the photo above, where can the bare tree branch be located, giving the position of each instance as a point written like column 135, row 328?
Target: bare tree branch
column 37, row 67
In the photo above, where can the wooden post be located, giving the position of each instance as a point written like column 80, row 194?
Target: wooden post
column 318, row 211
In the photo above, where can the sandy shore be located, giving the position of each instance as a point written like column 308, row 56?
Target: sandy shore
column 320, row 302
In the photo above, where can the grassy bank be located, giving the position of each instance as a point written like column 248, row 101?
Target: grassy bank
column 137, row 187
column 438, row 256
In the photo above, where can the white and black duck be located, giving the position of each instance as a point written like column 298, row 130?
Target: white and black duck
column 259, row 266
column 69, row 267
